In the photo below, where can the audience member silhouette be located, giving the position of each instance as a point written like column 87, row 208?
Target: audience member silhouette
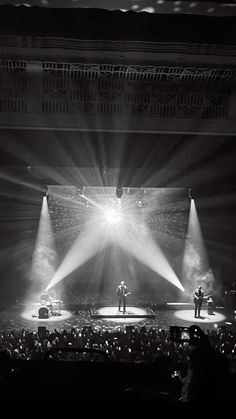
column 208, row 373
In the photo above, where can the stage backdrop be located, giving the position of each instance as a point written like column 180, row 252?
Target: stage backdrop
column 135, row 238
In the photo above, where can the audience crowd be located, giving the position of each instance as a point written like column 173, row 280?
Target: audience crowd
column 130, row 344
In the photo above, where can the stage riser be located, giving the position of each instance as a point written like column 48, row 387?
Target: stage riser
column 94, row 316
column 131, row 313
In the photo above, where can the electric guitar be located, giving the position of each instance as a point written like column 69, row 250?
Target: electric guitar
column 201, row 298
column 128, row 293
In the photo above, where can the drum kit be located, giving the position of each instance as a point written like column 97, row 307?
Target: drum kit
column 49, row 309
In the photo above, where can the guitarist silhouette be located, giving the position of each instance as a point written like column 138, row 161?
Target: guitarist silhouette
column 198, row 299
column 122, row 292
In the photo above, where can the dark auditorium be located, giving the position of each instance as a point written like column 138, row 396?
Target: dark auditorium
column 118, row 202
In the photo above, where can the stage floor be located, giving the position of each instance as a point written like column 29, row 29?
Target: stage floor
column 21, row 317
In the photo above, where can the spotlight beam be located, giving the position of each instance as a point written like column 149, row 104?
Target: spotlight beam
column 142, row 246
column 196, row 269
column 84, row 248
column 44, row 259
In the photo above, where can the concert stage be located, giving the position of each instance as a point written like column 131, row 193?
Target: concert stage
column 131, row 313
column 24, row 316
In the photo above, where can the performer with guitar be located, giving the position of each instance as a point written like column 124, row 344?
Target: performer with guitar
column 198, row 299
column 122, row 292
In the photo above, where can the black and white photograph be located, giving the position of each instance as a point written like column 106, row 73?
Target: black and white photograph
column 118, row 202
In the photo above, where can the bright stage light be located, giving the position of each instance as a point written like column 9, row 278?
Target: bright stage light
column 116, row 221
column 112, row 216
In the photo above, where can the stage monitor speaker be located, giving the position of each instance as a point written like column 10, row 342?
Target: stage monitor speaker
column 42, row 331
column 129, row 329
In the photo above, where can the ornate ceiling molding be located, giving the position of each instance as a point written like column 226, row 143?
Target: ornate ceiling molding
column 116, row 97
column 133, row 85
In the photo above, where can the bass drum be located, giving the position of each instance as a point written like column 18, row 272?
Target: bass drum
column 43, row 313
